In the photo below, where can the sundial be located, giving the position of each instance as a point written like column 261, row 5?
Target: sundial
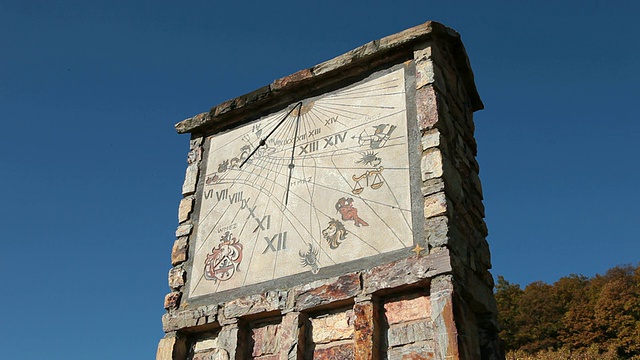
column 336, row 210
column 321, row 182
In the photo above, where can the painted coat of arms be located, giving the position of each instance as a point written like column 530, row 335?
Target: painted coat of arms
column 224, row 259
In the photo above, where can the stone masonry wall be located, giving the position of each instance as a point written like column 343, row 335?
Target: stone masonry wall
column 453, row 196
column 437, row 303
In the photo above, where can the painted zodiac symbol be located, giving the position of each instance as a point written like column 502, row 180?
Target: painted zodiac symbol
column 375, row 184
column 224, row 259
column 334, row 232
column 369, row 158
column 309, row 258
column 345, row 208
column 212, row 179
column 379, row 137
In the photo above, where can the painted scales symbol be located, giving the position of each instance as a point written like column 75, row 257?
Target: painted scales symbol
column 224, row 259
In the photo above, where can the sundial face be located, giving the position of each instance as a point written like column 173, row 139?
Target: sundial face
column 328, row 185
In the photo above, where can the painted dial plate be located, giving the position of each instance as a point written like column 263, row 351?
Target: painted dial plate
column 335, row 193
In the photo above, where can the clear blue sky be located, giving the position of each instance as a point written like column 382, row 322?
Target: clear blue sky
column 92, row 168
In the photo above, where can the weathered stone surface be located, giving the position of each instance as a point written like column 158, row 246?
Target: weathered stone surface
column 194, row 156
column 407, row 309
column 406, row 333
column 253, row 304
column 343, row 350
column 190, row 180
column 430, row 139
column 427, row 103
column 172, row 300
column 296, row 77
column 425, row 73
column 184, row 230
column 437, row 231
column 431, row 164
column 338, row 326
column 417, row 351
column 176, row 277
column 365, row 333
column 186, row 205
column 181, row 319
column 327, row 291
column 435, row 204
column 213, row 354
column 432, row 186
column 289, row 336
column 406, row 271
column 228, row 339
column 444, row 326
column 266, row 340
column 206, row 344
column 171, row 347
column 179, row 251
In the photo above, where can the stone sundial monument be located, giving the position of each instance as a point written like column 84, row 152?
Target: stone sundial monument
column 337, row 214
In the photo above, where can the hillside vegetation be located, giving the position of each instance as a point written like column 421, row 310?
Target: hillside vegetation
column 574, row 318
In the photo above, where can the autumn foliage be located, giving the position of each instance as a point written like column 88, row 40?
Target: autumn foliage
column 574, row 315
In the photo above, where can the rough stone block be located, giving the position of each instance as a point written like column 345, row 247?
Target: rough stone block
column 406, row 271
column 435, row 204
column 213, row 354
column 427, row 106
column 328, row 291
column 171, row 347
column 364, row 334
column 172, row 300
column 266, row 340
column 179, row 251
column 253, row 304
column 431, row 138
column 431, row 164
column 206, row 344
column 432, row 186
column 437, row 231
column 184, row 230
column 425, row 74
column 186, row 205
column 332, row 327
column 407, row 333
column 343, row 350
column 176, row 277
column 293, row 78
column 417, row 351
column 190, row 180
column 407, row 309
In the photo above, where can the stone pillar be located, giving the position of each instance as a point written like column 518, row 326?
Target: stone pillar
column 446, row 98
column 431, row 299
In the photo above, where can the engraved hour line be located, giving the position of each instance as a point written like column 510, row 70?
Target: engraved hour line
column 353, row 127
column 372, row 87
column 327, row 216
column 310, row 187
column 290, row 219
column 262, row 189
column 235, row 179
column 340, row 95
column 387, row 90
column 260, row 192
